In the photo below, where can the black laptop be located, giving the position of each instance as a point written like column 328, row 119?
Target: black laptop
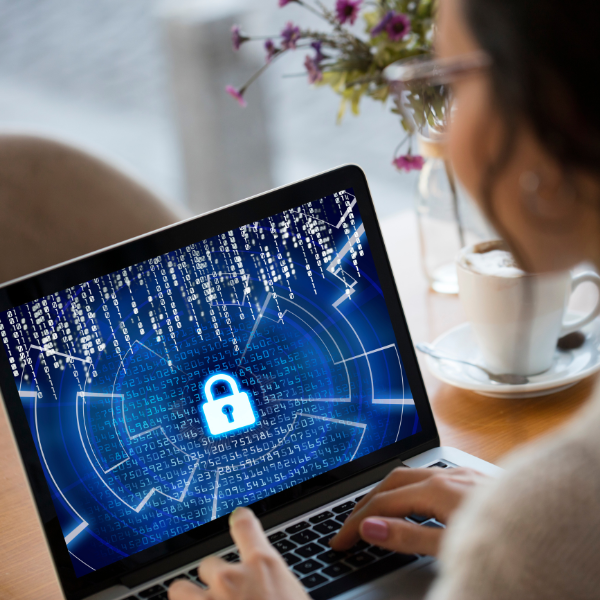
column 256, row 355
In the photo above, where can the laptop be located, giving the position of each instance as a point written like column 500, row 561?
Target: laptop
column 256, row 355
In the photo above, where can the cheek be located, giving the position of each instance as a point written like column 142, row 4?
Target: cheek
column 473, row 134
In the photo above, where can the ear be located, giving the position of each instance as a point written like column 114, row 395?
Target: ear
column 549, row 194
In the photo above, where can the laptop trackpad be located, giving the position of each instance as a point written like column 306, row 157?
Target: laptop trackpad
column 402, row 584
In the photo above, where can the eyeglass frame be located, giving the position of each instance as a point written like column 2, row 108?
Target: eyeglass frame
column 436, row 71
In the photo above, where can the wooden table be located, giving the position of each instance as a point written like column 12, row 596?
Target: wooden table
column 485, row 427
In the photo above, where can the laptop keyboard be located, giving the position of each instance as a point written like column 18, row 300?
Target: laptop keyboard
column 304, row 546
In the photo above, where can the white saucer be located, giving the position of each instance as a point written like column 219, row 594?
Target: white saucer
column 568, row 367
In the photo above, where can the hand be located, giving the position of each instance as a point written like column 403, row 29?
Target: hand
column 261, row 575
column 379, row 517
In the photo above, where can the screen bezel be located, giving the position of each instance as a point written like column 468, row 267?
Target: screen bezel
column 160, row 242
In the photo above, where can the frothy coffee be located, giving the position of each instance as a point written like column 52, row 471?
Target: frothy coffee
column 488, row 259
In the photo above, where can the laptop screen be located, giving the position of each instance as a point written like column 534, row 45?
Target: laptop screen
column 163, row 395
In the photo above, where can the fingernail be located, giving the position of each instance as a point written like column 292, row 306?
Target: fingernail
column 375, row 529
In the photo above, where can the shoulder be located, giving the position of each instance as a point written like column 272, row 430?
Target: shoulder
column 534, row 532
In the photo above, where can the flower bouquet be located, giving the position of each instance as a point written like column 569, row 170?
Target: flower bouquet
column 353, row 64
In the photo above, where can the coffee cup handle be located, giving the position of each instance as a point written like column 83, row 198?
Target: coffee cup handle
column 590, row 277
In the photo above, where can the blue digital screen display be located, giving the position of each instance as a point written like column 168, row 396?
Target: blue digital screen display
column 162, row 396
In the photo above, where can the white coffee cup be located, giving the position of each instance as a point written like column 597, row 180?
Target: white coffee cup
column 516, row 317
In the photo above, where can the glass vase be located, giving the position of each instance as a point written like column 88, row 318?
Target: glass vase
column 448, row 219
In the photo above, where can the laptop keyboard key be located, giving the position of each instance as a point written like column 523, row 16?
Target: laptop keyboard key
column 358, row 560
column 313, row 581
column 331, row 556
column 337, row 570
column 283, row 546
column 341, row 508
column 161, row 596
column 311, row 549
column 329, row 526
column 359, row 498
column 297, row 527
column 321, row 517
column 360, row 545
column 433, row 524
column 379, row 552
column 291, row 559
column 304, row 537
column 231, row 557
column 440, row 465
column 168, row 582
column 324, row 541
column 275, row 537
column 341, row 518
column 308, row 566
column 151, row 591
column 418, row 518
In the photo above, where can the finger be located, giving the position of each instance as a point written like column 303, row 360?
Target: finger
column 399, row 477
column 401, row 536
column 186, row 590
column 247, row 532
column 430, row 498
column 217, row 574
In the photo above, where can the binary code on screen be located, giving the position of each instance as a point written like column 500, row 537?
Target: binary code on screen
column 112, row 375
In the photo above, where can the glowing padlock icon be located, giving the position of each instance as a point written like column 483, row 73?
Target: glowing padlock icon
column 227, row 413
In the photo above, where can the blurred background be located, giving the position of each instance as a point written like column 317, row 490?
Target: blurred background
column 141, row 83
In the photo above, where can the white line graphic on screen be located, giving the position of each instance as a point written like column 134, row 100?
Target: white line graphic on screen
column 152, row 491
column 337, row 262
column 35, row 396
column 37, row 431
column 75, row 532
column 77, row 557
column 408, row 401
column 112, row 396
column 262, row 315
column 342, row 219
column 51, row 352
column 243, row 280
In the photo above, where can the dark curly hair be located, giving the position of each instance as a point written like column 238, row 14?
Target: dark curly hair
column 546, row 58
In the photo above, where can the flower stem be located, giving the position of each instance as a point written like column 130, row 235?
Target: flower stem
column 313, row 10
column 260, row 71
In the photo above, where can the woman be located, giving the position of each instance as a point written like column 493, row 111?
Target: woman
column 525, row 141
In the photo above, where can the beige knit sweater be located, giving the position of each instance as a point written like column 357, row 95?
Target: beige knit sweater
column 535, row 532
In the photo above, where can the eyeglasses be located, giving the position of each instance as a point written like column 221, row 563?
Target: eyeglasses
column 422, row 85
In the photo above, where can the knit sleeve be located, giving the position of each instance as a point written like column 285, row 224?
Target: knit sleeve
column 533, row 534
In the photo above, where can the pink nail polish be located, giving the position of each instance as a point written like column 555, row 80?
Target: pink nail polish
column 375, row 529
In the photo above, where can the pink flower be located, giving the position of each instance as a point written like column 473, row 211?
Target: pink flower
column 408, row 162
column 398, row 27
column 237, row 39
column 282, row 3
column 237, row 94
column 290, row 35
column 271, row 49
column 347, row 10
column 314, row 73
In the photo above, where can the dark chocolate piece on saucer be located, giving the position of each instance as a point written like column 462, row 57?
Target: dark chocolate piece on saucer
column 571, row 341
